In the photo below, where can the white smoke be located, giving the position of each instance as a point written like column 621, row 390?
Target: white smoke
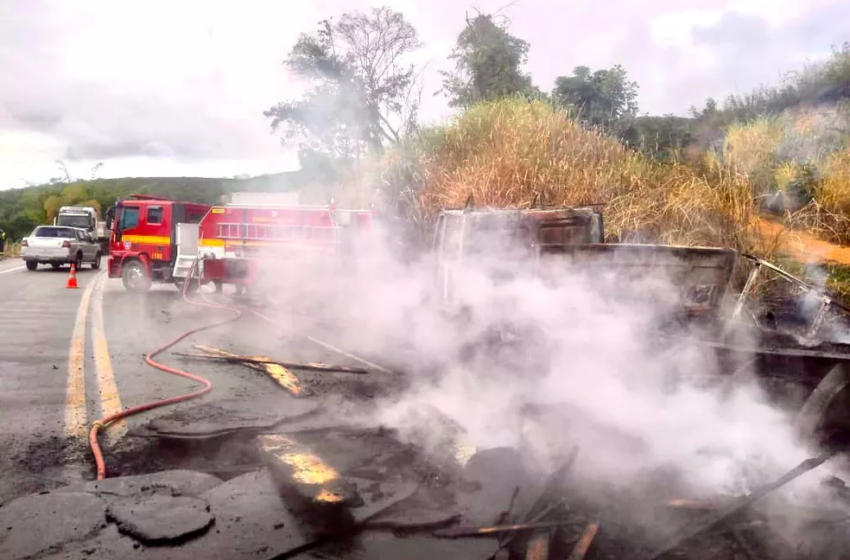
column 595, row 369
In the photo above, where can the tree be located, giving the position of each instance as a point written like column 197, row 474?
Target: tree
column 662, row 137
column 362, row 93
column 52, row 206
column 488, row 64
column 603, row 98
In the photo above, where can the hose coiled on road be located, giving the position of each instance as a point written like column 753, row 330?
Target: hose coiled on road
column 149, row 359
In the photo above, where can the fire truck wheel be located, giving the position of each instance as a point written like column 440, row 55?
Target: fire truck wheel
column 96, row 264
column 219, row 286
column 135, row 277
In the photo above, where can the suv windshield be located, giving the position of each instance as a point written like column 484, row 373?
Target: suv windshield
column 75, row 220
column 48, row 231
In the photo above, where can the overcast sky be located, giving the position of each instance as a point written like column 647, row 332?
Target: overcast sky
column 178, row 87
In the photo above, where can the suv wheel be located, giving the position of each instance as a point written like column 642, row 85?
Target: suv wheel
column 96, row 264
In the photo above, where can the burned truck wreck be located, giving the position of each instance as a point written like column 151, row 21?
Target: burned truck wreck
column 682, row 291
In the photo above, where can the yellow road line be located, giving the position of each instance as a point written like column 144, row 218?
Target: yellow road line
column 279, row 374
column 110, row 400
column 75, row 396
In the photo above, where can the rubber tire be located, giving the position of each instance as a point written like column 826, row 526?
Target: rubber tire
column 96, row 264
column 32, row 265
column 56, row 266
column 128, row 269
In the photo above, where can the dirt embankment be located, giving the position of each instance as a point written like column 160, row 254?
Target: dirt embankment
column 805, row 247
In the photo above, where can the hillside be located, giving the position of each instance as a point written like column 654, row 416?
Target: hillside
column 821, row 88
column 23, row 209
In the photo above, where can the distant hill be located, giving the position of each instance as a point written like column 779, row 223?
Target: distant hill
column 23, row 209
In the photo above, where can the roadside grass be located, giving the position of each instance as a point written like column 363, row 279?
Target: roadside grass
column 12, row 250
column 802, row 157
column 514, row 153
column 828, row 214
column 838, row 280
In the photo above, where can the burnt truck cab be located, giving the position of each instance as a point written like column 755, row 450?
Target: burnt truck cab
column 143, row 246
column 501, row 243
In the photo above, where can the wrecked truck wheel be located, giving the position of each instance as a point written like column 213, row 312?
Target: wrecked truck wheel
column 818, row 415
column 135, row 277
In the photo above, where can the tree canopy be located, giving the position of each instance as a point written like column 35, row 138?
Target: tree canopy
column 488, row 64
column 603, row 98
column 363, row 91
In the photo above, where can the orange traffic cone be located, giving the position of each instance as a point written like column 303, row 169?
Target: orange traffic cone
column 72, row 277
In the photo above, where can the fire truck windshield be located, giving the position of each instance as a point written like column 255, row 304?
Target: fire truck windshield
column 74, row 220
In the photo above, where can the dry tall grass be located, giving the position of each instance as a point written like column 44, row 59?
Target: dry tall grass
column 828, row 214
column 12, row 250
column 511, row 152
column 752, row 149
column 802, row 156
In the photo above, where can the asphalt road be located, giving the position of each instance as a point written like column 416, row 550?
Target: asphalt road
column 37, row 317
column 69, row 357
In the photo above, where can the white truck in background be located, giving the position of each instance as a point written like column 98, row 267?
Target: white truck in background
column 85, row 217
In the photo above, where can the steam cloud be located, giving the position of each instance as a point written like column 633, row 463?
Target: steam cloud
column 594, row 372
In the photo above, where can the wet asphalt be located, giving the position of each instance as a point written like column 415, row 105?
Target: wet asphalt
column 37, row 317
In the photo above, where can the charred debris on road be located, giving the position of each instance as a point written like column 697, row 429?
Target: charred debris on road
column 298, row 473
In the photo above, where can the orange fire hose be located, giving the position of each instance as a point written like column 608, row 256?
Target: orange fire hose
column 149, row 358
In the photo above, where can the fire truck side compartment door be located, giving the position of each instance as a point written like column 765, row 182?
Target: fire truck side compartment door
column 178, row 216
column 187, row 250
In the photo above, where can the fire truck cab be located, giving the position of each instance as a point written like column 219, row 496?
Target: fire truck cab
column 501, row 242
column 145, row 236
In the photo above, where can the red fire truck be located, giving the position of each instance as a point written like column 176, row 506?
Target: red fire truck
column 156, row 239
column 144, row 242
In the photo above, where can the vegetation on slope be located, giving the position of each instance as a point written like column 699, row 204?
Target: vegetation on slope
column 23, row 209
column 512, row 153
